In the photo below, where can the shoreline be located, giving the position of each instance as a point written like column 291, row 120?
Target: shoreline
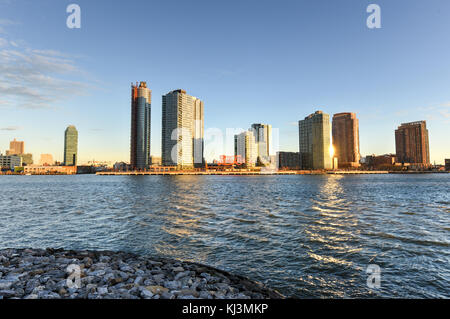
column 237, row 173
column 43, row 274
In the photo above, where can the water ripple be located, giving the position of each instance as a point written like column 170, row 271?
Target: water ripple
column 308, row 236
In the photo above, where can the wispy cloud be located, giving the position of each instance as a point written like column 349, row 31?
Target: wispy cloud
column 5, row 22
column 437, row 112
column 36, row 79
column 432, row 112
column 10, row 128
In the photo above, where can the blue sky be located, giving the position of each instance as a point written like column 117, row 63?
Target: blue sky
column 250, row 61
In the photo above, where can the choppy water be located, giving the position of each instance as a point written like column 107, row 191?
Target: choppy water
column 307, row 236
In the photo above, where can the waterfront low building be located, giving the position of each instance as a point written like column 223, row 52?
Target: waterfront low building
column 156, row 161
column 10, row 162
column 380, row 161
column 288, row 160
column 447, row 164
column 46, row 160
column 50, row 170
column 121, row 166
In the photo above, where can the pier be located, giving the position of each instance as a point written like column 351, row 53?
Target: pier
column 240, row 172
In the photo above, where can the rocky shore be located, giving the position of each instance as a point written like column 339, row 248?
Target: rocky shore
column 66, row 274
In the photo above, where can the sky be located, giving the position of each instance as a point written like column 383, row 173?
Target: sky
column 250, row 61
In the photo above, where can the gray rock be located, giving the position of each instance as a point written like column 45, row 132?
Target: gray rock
column 173, row 285
column 102, row 290
column 146, row 294
column 205, row 295
column 178, row 269
column 6, row 284
column 139, row 272
column 98, row 273
column 205, row 275
column 7, row 293
column 167, row 295
column 181, row 275
column 159, row 278
column 126, row 268
column 139, row 280
column 223, row 286
column 48, row 295
column 42, row 274
column 104, row 259
column 148, row 282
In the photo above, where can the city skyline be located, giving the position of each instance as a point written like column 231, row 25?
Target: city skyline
column 321, row 140
column 267, row 73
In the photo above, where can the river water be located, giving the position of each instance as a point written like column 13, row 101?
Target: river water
column 306, row 236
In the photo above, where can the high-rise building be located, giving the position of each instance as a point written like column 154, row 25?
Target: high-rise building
column 411, row 143
column 263, row 139
column 16, row 148
column 345, row 130
column 182, row 130
column 70, row 146
column 141, row 100
column 46, row 160
column 245, row 148
column 315, row 141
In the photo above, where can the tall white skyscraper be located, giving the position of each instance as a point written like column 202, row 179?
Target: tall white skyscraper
column 245, row 147
column 182, row 130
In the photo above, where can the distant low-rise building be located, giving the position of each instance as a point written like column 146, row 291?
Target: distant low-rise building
column 121, row 166
column 447, row 164
column 155, row 160
column 50, row 170
column 16, row 148
column 288, row 160
column 46, row 160
column 27, row 159
column 10, row 162
column 380, row 161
